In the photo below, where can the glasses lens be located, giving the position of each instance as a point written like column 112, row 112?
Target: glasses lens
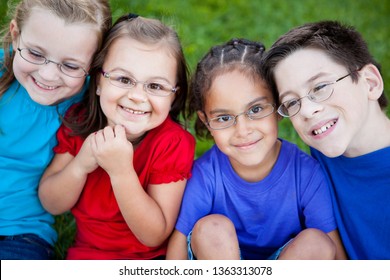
column 289, row 108
column 260, row 111
column 32, row 56
column 158, row 89
column 321, row 92
column 222, row 122
column 72, row 71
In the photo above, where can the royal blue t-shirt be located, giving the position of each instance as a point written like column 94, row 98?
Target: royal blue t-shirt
column 266, row 214
column 360, row 189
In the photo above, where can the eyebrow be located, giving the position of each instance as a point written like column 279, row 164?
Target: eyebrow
column 310, row 80
column 253, row 102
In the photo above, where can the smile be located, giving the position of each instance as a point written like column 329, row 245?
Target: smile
column 133, row 111
column 44, row 86
column 324, row 128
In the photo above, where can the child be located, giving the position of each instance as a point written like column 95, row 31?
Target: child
column 124, row 182
column 44, row 63
column 252, row 195
column 343, row 119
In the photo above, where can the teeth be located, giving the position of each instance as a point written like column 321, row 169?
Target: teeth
column 324, row 128
column 133, row 112
column 44, row 86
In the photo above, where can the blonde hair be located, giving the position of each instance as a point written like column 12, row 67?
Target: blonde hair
column 95, row 12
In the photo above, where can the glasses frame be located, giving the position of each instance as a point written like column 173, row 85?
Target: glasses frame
column 46, row 60
column 309, row 95
column 107, row 75
column 246, row 113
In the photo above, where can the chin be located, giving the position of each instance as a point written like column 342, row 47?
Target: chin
column 331, row 152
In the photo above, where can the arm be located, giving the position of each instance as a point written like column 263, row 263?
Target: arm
column 177, row 247
column 64, row 179
column 150, row 214
column 340, row 252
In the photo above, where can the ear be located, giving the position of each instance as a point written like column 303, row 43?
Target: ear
column 15, row 33
column 202, row 117
column 98, row 90
column 373, row 79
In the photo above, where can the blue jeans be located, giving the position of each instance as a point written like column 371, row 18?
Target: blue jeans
column 25, row 247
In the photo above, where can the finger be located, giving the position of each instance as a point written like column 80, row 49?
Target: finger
column 120, row 131
column 108, row 132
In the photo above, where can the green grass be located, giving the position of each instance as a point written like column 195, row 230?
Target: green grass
column 202, row 24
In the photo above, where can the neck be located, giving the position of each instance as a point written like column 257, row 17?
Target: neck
column 374, row 135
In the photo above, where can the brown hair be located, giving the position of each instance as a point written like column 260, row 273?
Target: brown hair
column 145, row 30
column 340, row 42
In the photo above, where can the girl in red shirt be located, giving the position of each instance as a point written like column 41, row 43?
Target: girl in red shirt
column 123, row 159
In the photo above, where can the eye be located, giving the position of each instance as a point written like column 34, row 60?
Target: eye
column 156, row 86
column 35, row 55
column 291, row 103
column 70, row 67
column 223, row 118
column 319, row 88
column 255, row 110
column 124, row 80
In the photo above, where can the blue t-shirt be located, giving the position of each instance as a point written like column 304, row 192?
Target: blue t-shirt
column 266, row 214
column 361, row 197
column 27, row 137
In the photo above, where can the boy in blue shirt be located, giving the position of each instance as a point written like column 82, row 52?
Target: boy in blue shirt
column 330, row 86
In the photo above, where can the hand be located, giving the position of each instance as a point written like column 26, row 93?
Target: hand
column 112, row 150
column 85, row 157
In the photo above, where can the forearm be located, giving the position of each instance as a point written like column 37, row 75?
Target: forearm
column 60, row 191
column 177, row 247
column 144, row 216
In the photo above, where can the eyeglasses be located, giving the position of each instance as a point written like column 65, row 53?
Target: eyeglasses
column 35, row 57
column 68, row 69
column 319, row 93
column 152, row 88
column 256, row 112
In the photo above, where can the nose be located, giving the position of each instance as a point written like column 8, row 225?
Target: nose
column 137, row 93
column 309, row 108
column 243, row 125
column 49, row 71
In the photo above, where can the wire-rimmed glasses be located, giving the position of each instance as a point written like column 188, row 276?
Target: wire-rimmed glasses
column 255, row 112
column 150, row 87
column 319, row 93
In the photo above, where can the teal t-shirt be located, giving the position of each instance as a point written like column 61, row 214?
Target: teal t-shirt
column 27, row 137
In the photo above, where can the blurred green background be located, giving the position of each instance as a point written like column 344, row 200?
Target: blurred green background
column 202, row 24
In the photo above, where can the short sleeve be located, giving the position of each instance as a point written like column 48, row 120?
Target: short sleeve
column 174, row 158
column 66, row 142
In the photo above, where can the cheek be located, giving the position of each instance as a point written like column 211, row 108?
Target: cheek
column 20, row 66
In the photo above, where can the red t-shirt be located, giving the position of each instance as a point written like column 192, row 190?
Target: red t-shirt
column 165, row 155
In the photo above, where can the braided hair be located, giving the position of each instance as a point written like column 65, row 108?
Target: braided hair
column 236, row 55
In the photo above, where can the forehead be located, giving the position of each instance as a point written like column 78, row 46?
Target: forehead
column 141, row 59
column 45, row 30
column 302, row 65
column 235, row 91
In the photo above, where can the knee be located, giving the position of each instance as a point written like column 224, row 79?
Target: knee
column 214, row 237
column 214, row 225
column 311, row 244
